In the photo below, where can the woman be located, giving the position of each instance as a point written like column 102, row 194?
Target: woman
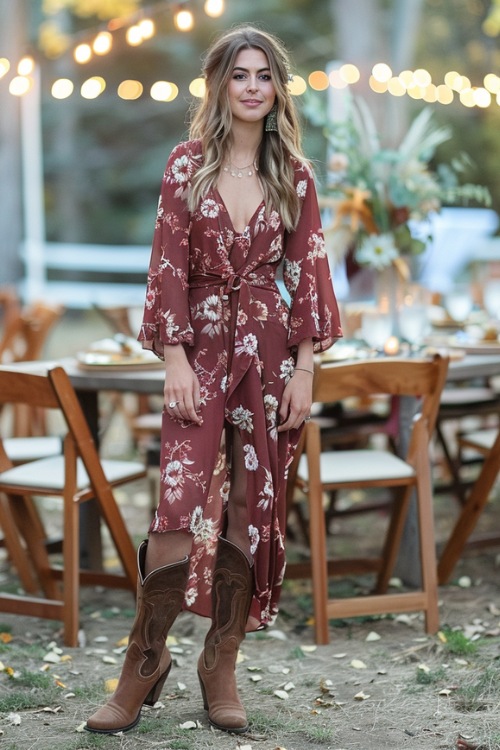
column 237, row 200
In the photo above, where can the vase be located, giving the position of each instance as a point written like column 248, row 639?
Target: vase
column 389, row 294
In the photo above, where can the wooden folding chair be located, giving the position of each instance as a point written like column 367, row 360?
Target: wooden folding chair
column 315, row 471
column 486, row 443
column 76, row 476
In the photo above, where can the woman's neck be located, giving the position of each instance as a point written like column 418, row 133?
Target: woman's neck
column 246, row 139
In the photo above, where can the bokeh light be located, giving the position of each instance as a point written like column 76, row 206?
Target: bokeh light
column 62, row 88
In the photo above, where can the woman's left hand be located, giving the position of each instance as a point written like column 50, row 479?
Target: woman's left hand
column 296, row 402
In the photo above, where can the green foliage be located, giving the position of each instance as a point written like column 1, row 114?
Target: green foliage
column 458, row 644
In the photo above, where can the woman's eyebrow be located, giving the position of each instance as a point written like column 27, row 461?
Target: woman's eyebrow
column 245, row 70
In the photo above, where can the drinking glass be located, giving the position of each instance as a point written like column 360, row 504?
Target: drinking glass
column 458, row 303
column 491, row 297
column 413, row 323
column 376, row 327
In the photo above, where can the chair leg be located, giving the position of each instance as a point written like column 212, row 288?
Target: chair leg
column 16, row 550
column 71, row 557
column 466, row 523
column 28, row 521
column 317, row 532
column 427, row 545
column 393, row 537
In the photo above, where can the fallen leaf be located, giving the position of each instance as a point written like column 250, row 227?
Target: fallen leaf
column 282, row 694
column 69, row 695
column 5, row 637
column 446, row 692
column 109, row 660
column 110, row 685
column 493, row 609
column 101, row 639
column 372, row 636
column 256, row 677
column 81, row 727
column 442, row 637
column 14, row 719
column 52, row 658
column 244, row 747
column 339, row 656
column 361, row 696
column 181, row 686
column 358, row 664
column 424, row 668
column 189, row 725
column 289, row 686
column 464, row 582
column 308, row 649
column 123, row 642
column 65, row 658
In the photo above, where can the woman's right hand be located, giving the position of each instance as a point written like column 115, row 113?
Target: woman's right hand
column 182, row 387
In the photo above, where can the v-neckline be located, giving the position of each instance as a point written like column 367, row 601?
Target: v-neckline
column 250, row 221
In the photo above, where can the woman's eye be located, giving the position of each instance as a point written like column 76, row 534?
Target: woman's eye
column 265, row 77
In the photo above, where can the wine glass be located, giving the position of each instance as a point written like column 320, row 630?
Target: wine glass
column 491, row 298
column 458, row 303
column 413, row 324
column 376, row 327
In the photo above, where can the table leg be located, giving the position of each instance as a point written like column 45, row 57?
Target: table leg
column 408, row 567
column 91, row 557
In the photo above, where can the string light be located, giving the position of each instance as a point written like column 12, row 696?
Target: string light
column 164, row 91
column 183, row 19
column 214, row 8
column 82, row 53
column 20, row 85
column 130, row 90
column 4, row 66
column 103, row 43
column 93, row 87
column 62, row 88
column 26, row 66
column 134, row 36
column 318, row 80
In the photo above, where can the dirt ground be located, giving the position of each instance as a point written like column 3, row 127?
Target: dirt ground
column 380, row 684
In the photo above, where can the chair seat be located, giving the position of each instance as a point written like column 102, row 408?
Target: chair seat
column 23, row 449
column 483, row 439
column 48, row 474
column 358, row 466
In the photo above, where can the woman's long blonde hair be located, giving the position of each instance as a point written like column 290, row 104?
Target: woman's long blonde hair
column 212, row 121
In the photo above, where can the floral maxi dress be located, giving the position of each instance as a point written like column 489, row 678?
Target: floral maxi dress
column 214, row 291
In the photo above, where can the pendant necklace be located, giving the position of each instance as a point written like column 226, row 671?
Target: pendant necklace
column 240, row 172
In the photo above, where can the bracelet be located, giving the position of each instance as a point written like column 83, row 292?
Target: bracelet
column 302, row 369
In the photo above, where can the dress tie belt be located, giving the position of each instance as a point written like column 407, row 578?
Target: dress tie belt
column 228, row 284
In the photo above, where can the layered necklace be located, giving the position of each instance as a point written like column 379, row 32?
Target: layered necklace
column 240, row 172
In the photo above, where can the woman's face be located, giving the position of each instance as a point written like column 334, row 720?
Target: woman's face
column 251, row 90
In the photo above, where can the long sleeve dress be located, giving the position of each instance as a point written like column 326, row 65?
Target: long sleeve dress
column 214, row 291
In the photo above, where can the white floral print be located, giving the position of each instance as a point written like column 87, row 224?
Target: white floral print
column 242, row 418
column 251, row 460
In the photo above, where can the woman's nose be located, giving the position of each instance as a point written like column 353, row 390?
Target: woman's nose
column 252, row 84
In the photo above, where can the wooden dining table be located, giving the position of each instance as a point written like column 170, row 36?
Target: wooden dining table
column 89, row 382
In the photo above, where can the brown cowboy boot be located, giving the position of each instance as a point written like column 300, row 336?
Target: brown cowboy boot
column 231, row 598
column 147, row 662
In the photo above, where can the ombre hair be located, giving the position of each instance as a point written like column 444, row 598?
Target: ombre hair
column 212, row 120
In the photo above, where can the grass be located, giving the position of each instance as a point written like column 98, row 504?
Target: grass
column 480, row 693
column 457, row 643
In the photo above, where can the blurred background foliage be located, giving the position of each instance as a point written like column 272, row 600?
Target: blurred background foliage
column 104, row 158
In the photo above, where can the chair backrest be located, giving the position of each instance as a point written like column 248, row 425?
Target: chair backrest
column 40, row 387
column 394, row 376
column 26, row 332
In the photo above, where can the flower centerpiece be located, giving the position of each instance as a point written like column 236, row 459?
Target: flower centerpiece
column 375, row 193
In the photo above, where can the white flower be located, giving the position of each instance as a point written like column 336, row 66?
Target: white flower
column 243, row 418
column 251, row 460
column 180, row 170
column 209, row 208
column 286, row 369
column 377, row 251
column 317, row 244
column 203, row 529
column 302, row 188
column 291, row 271
column 247, row 346
column 253, row 533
